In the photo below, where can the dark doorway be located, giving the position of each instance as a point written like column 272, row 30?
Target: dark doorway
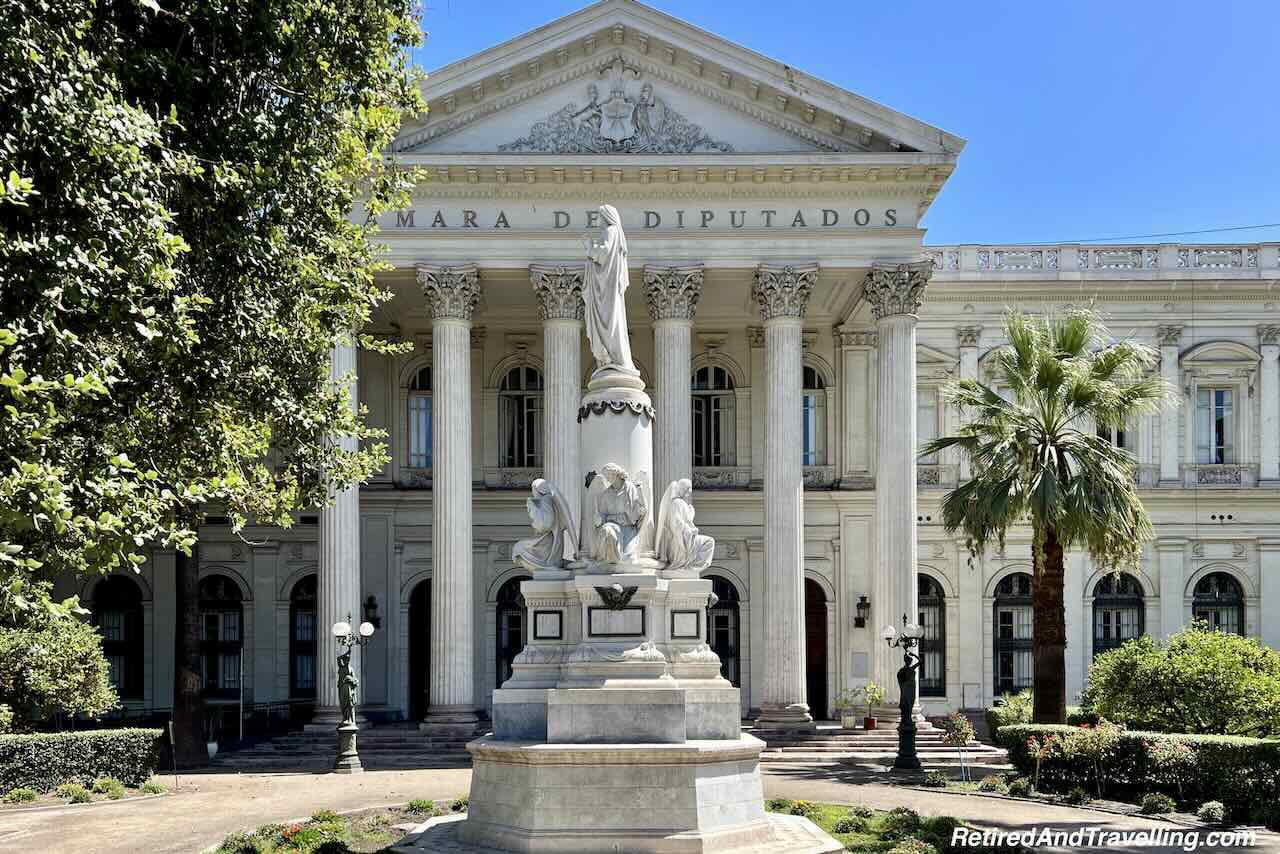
column 723, row 631
column 511, row 626
column 420, row 650
column 815, row 649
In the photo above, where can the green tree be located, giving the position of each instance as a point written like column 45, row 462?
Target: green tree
column 55, row 671
column 178, row 256
column 1036, row 457
column 1198, row 681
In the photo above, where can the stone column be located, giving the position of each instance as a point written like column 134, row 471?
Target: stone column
column 1269, row 402
column 559, row 292
column 452, row 294
column 895, row 293
column 338, row 578
column 673, row 298
column 967, row 337
column 782, row 294
column 1170, row 337
column 1171, row 555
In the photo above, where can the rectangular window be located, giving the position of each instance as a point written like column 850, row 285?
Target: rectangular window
column 420, row 431
column 230, row 667
column 809, row 429
column 304, row 667
column 1116, row 436
column 111, row 625
column 304, row 629
column 927, row 421
column 1215, row 426
column 1014, row 623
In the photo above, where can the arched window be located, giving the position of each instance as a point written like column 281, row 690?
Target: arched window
column 420, row 420
column 117, row 612
column 221, row 638
column 713, row 417
column 511, row 626
column 1117, row 611
column 927, row 420
column 814, row 400
column 933, row 646
column 520, row 418
column 723, row 632
column 1013, row 660
column 1219, row 601
column 302, row 639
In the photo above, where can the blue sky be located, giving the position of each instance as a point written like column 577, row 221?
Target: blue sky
column 1084, row 119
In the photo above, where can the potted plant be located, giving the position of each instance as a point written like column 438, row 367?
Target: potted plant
column 845, row 704
column 875, row 696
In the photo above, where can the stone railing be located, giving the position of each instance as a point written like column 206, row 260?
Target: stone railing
column 1232, row 474
column 937, row 476
column 721, row 477
column 1146, row 476
column 510, row 478
column 415, row 478
column 819, row 477
column 1164, row 260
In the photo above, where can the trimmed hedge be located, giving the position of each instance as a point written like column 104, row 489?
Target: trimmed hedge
column 44, row 761
column 1242, row 773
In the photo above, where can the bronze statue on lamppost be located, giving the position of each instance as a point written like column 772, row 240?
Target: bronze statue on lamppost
column 908, row 639
column 348, row 761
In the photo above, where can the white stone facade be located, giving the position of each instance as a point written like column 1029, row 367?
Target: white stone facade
column 730, row 171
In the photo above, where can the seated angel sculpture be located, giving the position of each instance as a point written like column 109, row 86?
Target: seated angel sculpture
column 620, row 511
column 678, row 543
column 551, row 520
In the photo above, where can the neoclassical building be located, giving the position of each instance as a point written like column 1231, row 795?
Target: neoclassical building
column 793, row 328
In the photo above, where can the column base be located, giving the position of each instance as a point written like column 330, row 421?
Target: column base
column 791, row 717
column 462, row 721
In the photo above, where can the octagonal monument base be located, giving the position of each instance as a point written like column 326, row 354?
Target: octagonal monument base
column 689, row 798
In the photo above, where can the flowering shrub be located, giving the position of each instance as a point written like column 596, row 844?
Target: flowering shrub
column 1157, row 803
column 1041, row 749
column 1212, row 812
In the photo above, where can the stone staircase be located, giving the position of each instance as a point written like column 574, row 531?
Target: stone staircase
column 829, row 743
column 382, row 747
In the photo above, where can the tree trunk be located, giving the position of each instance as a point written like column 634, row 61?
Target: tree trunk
column 190, row 745
column 1049, row 634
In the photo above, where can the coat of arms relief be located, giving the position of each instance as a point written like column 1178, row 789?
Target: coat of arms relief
column 631, row 120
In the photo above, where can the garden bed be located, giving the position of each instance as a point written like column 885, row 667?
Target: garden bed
column 328, row 832
column 103, row 790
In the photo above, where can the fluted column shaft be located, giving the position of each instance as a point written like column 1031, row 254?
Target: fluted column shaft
column 559, row 292
column 451, row 295
column 338, row 579
column 783, row 294
column 673, row 294
column 895, row 294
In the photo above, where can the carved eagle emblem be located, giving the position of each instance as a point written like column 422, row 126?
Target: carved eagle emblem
column 615, row 596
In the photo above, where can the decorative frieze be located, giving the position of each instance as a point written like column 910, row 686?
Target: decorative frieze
column 783, row 291
column 856, row 337
column 673, row 292
column 559, row 291
column 896, row 288
column 451, row 292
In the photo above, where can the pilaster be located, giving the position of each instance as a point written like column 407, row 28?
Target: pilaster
column 1269, row 599
column 969, row 338
column 1269, row 402
column 452, row 294
column 1171, row 556
column 1169, row 337
column 559, row 292
column 783, row 294
column 857, row 349
column 895, row 293
column 673, row 294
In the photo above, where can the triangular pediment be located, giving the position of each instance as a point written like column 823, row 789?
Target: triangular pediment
column 621, row 78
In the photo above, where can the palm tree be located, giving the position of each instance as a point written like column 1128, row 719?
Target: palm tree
column 1036, row 455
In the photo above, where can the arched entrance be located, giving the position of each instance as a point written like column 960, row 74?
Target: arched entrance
column 511, row 634
column 815, row 649
column 723, row 631
column 420, row 650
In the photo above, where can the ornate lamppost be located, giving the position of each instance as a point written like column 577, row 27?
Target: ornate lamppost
column 908, row 639
column 348, row 761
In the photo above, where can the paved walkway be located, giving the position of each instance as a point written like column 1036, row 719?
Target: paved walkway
column 209, row 806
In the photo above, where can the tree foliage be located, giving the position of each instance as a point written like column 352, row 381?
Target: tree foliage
column 55, row 671
column 1198, row 681
column 177, row 258
column 1036, row 457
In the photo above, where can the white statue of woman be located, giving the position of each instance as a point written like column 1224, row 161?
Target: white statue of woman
column 679, row 544
column 550, row 518
column 604, row 285
column 620, row 510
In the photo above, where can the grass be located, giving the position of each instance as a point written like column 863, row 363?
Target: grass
column 330, row 833
column 866, row 831
column 103, row 789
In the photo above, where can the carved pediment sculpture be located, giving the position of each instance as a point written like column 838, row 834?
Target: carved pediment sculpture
column 627, row 121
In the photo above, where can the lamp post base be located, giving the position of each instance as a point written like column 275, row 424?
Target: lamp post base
column 348, row 761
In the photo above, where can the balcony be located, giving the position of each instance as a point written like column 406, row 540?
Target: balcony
column 937, row 476
column 1229, row 475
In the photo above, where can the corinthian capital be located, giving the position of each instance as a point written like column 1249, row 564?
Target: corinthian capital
column 1269, row 334
column 783, row 291
column 1169, row 334
column 451, row 292
column 673, row 291
column 896, row 288
column 559, row 291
